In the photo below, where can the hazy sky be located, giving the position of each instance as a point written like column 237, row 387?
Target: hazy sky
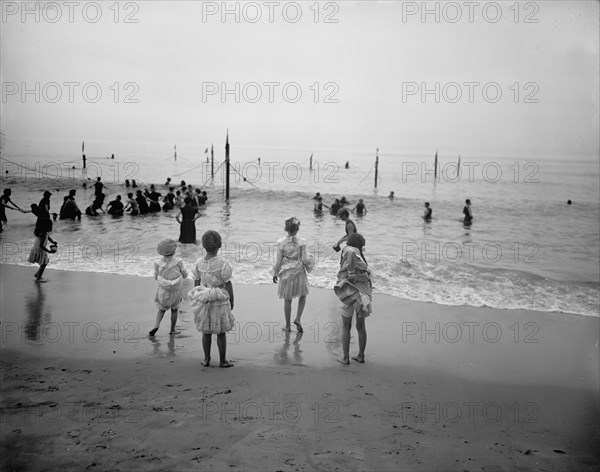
column 376, row 59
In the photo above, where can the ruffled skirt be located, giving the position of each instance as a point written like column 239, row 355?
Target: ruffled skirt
column 292, row 284
column 37, row 255
column 350, row 295
column 212, row 310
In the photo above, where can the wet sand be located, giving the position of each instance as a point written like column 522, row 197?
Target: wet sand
column 442, row 388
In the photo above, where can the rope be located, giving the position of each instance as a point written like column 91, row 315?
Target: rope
column 368, row 173
column 202, row 186
column 244, row 178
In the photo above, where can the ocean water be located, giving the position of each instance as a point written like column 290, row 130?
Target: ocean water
column 527, row 248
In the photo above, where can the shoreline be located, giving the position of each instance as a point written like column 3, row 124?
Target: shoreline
column 268, row 283
column 425, row 399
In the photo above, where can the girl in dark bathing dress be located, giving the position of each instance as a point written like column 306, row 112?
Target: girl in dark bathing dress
column 187, row 222
column 142, row 203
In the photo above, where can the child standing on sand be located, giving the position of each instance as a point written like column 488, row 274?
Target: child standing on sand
column 291, row 265
column 39, row 251
column 212, row 298
column 169, row 272
column 354, row 289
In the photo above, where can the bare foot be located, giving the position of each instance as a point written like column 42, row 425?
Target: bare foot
column 344, row 361
column 39, row 280
column 299, row 326
column 206, row 362
column 287, row 329
column 172, row 333
column 153, row 331
column 225, row 364
column 359, row 359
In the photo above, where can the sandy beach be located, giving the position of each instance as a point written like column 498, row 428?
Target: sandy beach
column 442, row 388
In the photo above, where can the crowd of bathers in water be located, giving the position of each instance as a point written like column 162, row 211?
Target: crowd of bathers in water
column 142, row 202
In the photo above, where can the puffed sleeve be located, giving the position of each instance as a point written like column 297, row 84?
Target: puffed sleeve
column 226, row 271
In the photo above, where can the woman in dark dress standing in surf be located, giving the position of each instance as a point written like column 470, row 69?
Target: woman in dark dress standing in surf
column 187, row 222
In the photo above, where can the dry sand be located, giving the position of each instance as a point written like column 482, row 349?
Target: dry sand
column 443, row 388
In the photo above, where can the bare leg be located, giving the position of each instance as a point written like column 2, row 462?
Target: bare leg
column 346, row 326
column 287, row 311
column 159, row 317
column 362, row 339
column 174, row 314
column 38, row 274
column 206, row 344
column 301, row 303
column 222, row 345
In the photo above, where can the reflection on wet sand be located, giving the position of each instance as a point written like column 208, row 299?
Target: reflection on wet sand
column 158, row 352
column 282, row 356
column 36, row 317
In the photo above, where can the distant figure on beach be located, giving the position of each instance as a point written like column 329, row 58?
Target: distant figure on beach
column 6, row 202
column 391, row 195
column 168, row 182
column 142, row 203
column 39, row 251
column 354, row 289
column 115, row 207
column 187, row 222
column 569, row 202
column 212, row 298
column 427, row 213
column 350, row 228
column 169, row 272
column 290, row 268
column 133, row 184
column 132, row 205
column 360, row 207
column 468, row 213
column 347, row 165
column 127, row 184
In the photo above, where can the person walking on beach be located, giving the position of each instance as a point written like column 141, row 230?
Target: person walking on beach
column 360, row 207
column 354, row 289
column 169, row 272
column 290, row 268
column 428, row 212
column 468, row 213
column 212, row 298
column 39, row 252
column 187, row 222
column 350, row 228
